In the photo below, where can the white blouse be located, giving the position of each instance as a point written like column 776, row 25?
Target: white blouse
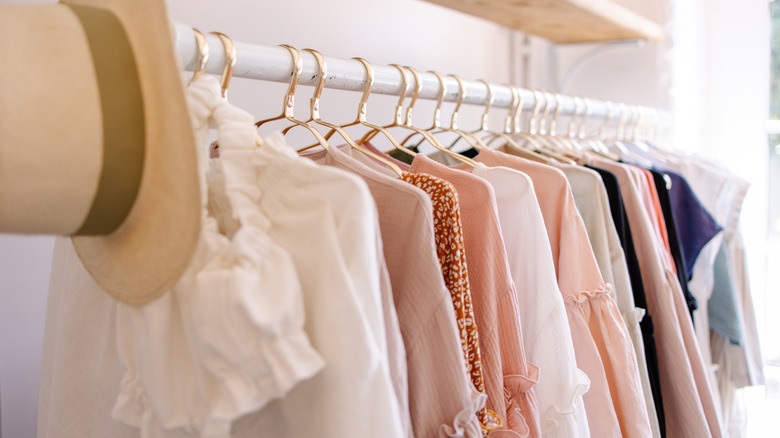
column 326, row 219
column 546, row 332
column 226, row 340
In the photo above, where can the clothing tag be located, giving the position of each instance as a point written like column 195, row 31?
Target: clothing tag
column 668, row 180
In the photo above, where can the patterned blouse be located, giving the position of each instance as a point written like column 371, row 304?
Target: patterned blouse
column 452, row 256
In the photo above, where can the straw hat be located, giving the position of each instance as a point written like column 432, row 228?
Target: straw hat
column 96, row 141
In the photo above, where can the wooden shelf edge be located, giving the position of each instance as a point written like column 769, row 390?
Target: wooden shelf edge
column 562, row 21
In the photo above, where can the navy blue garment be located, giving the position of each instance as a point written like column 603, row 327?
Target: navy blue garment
column 695, row 225
column 620, row 218
column 662, row 186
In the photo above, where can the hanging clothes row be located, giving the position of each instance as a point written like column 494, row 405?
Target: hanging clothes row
column 532, row 284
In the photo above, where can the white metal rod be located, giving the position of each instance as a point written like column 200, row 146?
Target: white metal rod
column 270, row 63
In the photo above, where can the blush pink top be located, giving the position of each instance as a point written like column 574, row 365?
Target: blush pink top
column 450, row 248
column 615, row 403
column 442, row 400
column 687, row 396
column 509, row 379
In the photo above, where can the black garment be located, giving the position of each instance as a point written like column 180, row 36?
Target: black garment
column 620, row 218
column 674, row 242
column 402, row 156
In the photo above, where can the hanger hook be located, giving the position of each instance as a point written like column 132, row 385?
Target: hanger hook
column 461, row 97
column 509, row 120
column 295, row 76
column 640, row 118
column 518, row 111
column 584, row 120
column 399, row 108
column 532, row 123
column 418, row 86
column 230, row 61
column 572, row 127
column 322, row 69
column 607, row 118
column 620, row 131
column 491, row 99
column 369, row 84
column 545, row 113
column 203, row 54
column 641, row 121
column 442, row 92
column 558, row 109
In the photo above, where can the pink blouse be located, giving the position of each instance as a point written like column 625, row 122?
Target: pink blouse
column 442, row 400
column 615, row 403
column 509, row 379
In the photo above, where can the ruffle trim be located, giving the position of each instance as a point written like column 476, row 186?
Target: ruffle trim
column 466, row 424
column 289, row 360
column 588, row 295
column 555, row 416
column 515, row 387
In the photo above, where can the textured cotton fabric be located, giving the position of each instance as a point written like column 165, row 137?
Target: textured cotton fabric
column 209, row 350
column 623, row 229
column 198, row 357
column 509, row 379
column 687, row 396
column 450, row 248
column 602, row 345
column 593, row 204
column 441, row 399
column 326, row 219
column 80, row 369
column 546, row 332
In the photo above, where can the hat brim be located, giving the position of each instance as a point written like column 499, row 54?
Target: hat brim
column 147, row 254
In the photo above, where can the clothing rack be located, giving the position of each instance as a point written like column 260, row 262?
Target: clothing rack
column 274, row 64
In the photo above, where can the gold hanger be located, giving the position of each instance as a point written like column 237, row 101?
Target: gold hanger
column 203, row 54
column 471, row 139
column 483, row 122
column 227, row 73
column 363, row 106
column 408, row 123
column 593, row 145
column 563, row 140
column 512, row 130
column 230, row 61
column 548, row 145
column 289, row 99
column 454, row 118
column 509, row 122
column 315, row 115
column 438, row 128
column 398, row 119
column 512, row 122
